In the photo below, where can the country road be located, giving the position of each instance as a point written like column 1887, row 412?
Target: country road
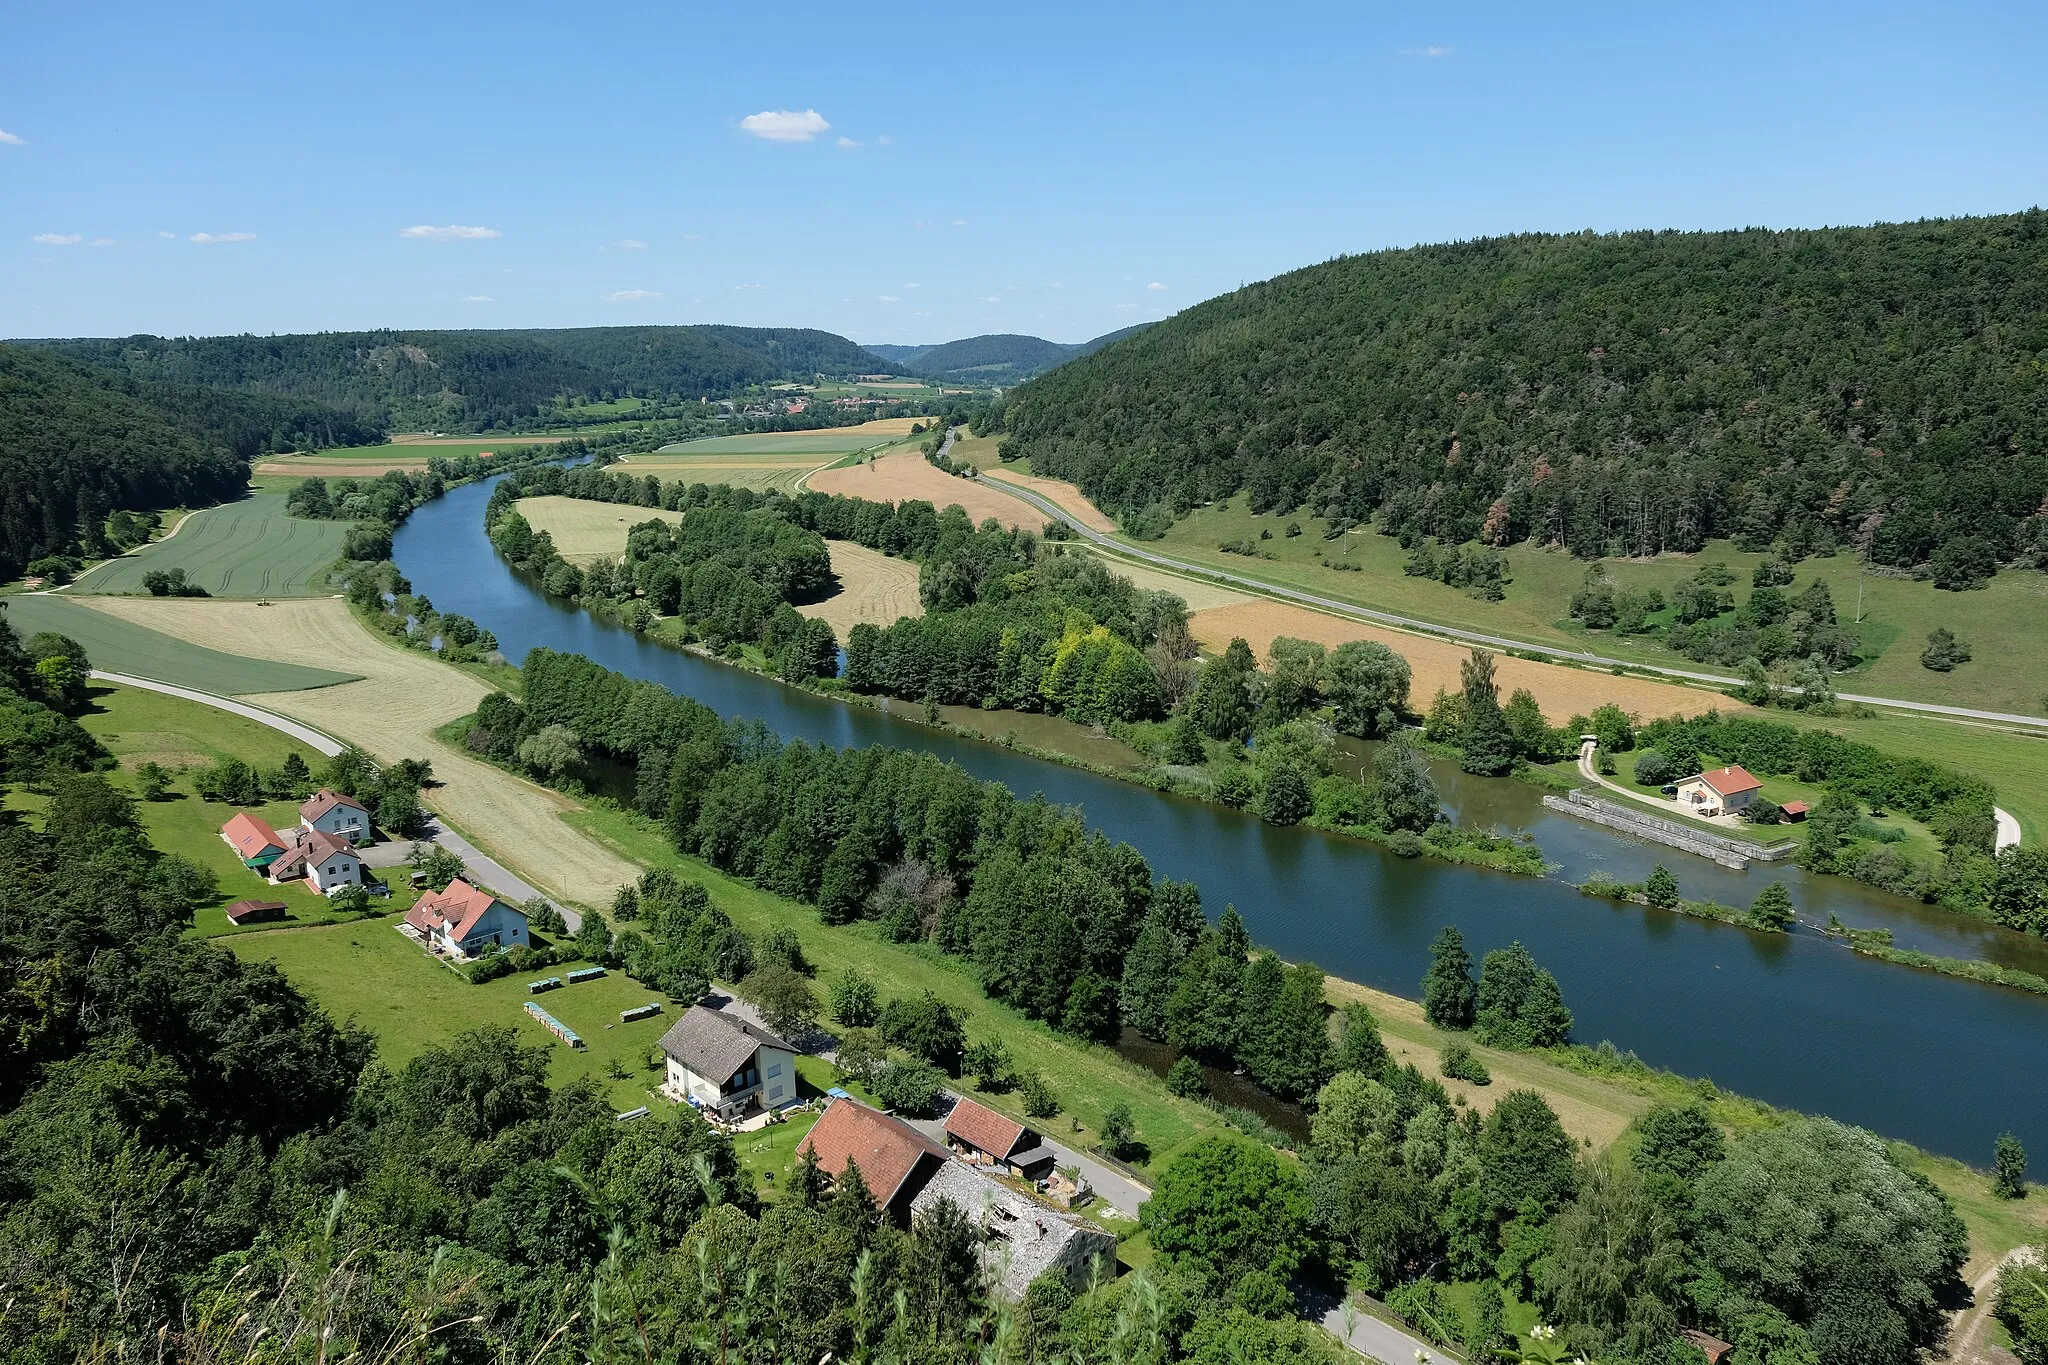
column 1352, row 609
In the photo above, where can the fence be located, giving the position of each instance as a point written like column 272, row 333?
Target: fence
column 1728, row 852
column 554, row 1025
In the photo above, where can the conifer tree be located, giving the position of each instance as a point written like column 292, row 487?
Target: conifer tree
column 1449, row 996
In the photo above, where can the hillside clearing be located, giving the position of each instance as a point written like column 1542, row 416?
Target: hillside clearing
column 250, row 548
column 873, row 588
column 1559, row 690
column 584, row 530
column 906, row 474
column 118, row 643
column 393, row 713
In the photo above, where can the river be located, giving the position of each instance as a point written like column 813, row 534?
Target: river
column 1795, row 1019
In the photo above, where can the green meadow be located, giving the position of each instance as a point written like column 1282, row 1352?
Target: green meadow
column 120, row 646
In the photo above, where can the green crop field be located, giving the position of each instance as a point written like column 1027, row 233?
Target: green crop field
column 249, row 548
column 2005, row 623
column 841, row 442
column 370, row 973
column 120, row 646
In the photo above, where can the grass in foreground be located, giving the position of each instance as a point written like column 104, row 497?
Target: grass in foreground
column 121, row 646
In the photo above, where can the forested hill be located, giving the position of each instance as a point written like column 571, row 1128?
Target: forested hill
column 477, row 379
column 75, row 446
column 999, row 358
column 1620, row 394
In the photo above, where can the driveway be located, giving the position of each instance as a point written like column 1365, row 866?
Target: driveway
column 477, row 867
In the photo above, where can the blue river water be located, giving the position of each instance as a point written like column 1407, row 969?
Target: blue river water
column 1794, row 1019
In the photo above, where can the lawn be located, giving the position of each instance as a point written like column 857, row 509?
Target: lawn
column 119, row 645
column 249, row 548
column 2007, row 673
column 1088, row 1079
column 1919, row 841
column 370, row 973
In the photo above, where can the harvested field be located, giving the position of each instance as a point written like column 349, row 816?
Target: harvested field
column 250, row 548
column 1060, row 494
column 907, row 474
column 1199, row 596
column 118, row 644
column 584, row 530
column 759, row 472
column 1559, row 690
column 417, row 439
column 873, row 588
column 393, row 713
column 309, row 467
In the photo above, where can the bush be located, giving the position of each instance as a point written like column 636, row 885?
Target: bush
column 926, row 1027
column 1653, row 769
column 1460, row 1063
column 1120, row 1132
column 854, row 1004
column 1039, row 1101
column 1184, row 1078
column 989, row 1064
column 1425, row 1306
column 1944, row 651
column 1405, row 843
column 909, row 1087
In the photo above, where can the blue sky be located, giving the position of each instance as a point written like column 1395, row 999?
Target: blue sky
column 1053, row 168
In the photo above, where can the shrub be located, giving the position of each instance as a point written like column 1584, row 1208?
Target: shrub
column 1120, row 1132
column 908, row 1086
column 854, row 1004
column 1405, row 843
column 1426, row 1307
column 989, row 1064
column 1184, row 1078
column 1039, row 1101
column 1944, row 651
column 1653, row 769
column 1460, row 1063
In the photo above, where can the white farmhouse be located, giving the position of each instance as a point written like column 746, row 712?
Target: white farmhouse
column 724, row 1064
column 332, row 813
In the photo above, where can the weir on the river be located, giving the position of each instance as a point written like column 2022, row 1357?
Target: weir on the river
column 1791, row 1019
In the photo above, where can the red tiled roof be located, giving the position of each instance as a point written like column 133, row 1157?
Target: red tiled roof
column 983, row 1128
column 309, row 845
column 325, row 800
column 886, row 1150
column 1713, row 1348
column 459, row 908
column 1730, row 781
column 1795, row 808
column 249, row 835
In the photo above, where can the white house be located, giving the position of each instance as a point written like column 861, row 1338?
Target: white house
column 332, row 813
column 322, row 859
column 725, row 1064
column 1720, row 792
column 468, row 921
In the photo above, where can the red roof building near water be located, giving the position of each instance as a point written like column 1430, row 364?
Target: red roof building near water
column 251, row 837
column 892, row 1157
column 1731, row 781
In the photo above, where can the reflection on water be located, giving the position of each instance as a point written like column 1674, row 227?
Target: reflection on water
column 1791, row 1019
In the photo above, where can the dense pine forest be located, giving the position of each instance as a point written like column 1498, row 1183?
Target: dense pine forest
column 1622, row 395
column 408, row 380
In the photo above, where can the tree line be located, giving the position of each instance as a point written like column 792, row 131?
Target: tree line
column 1618, row 394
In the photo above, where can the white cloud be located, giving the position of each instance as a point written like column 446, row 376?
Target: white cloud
column 1057, row 284
column 785, row 125
column 57, row 238
column 1156, row 287
column 738, row 287
column 848, row 142
column 959, row 222
column 12, row 139
column 887, row 298
column 630, row 244
column 205, row 237
column 478, row 298
column 453, row 232
column 101, row 241
column 993, row 298
column 168, row 236
column 631, row 295
column 693, row 236
column 912, row 284
column 885, row 140
column 1433, row 50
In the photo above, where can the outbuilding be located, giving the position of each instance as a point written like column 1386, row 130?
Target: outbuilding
column 983, row 1137
column 253, row 840
column 255, row 912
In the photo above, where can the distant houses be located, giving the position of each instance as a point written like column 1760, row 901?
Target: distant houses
column 908, row 1173
column 467, row 921
column 726, row 1065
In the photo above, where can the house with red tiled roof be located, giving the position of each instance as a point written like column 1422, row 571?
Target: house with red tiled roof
column 467, row 921
column 253, row 840
column 1723, row 791
column 330, row 812
column 982, row 1137
column 327, row 862
column 895, row 1160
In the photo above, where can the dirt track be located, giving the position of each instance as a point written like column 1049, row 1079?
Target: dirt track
column 1561, row 692
column 907, row 474
column 873, row 588
column 392, row 713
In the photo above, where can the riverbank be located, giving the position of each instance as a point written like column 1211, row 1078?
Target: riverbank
column 1877, row 943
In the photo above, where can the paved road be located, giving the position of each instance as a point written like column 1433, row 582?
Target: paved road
column 1378, row 1340
column 1352, row 609
column 305, row 734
